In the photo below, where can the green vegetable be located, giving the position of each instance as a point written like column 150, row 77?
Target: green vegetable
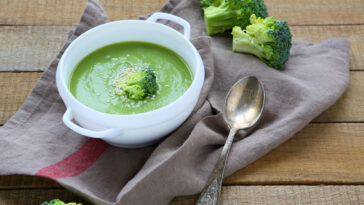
column 222, row 15
column 268, row 38
column 139, row 85
column 59, row 202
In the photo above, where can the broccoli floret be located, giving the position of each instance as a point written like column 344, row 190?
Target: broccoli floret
column 59, row 202
column 222, row 15
column 269, row 39
column 139, row 85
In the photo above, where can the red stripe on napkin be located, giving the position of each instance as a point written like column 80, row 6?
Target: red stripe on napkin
column 77, row 162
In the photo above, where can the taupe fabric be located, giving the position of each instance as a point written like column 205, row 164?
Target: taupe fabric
column 316, row 75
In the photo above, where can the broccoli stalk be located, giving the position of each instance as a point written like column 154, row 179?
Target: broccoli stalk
column 222, row 15
column 139, row 85
column 219, row 19
column 268, row 39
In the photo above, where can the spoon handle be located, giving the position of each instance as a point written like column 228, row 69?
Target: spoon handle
column 211, row 192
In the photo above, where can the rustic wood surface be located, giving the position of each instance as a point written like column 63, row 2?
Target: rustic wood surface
column 279, row 195
column 231, row 195
column 31, row 48
column 15, row 87
column 329, row 151
column 67, row 12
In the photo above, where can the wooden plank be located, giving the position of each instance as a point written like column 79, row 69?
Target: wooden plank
column 37, row 196
column 40, row 12
column 317, row 12
column 322, row 153
column 67, row 12
column 31, row 48
column 26, row 182
column 316, row 34
column 15, row 87
column 315, row 195
column 319, row 154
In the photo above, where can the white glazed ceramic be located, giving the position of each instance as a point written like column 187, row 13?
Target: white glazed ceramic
column 136, row 130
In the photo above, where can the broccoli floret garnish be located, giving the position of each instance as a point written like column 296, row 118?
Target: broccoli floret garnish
column 59, row 202
column 139, row 85
column 268, row 38
column 222, row 15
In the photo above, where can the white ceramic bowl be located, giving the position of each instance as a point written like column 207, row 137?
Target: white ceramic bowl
column 136, row 130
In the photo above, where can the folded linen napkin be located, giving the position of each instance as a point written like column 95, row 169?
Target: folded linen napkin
column 35, row 141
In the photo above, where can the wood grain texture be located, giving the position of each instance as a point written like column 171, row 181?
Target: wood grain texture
column 15, row 87
column 316, row 34
column 317, row 12
column 26, row 182
column 40, row 12
column 319, row 154
column 322, row 153
column 233, row 195
column 31, row 48
column 67, row 12
column 282, row 195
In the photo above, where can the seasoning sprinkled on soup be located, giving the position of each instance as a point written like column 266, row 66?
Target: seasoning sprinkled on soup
column 130, row 78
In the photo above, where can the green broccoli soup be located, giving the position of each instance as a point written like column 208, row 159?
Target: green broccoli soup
column 130, row 78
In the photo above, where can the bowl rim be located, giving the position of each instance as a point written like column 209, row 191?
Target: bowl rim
column 199, row 73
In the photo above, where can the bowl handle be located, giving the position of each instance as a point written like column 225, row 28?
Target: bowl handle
column 186, row 26
column 68, row 116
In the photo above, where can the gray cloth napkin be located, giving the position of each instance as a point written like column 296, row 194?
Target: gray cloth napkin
column 36, row 142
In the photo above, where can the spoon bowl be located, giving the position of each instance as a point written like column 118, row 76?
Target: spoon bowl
column 244, row 103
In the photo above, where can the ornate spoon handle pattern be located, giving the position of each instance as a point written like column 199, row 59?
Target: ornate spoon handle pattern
column 211, row 193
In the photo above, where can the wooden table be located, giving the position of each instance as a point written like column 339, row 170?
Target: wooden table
column 323, row 164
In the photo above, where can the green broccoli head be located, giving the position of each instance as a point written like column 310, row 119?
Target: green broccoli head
column 139, row 85
column 222, row 15
column 268, row 38
column 59, row 202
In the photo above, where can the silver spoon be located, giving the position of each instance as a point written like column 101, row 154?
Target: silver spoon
column 243, row 107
